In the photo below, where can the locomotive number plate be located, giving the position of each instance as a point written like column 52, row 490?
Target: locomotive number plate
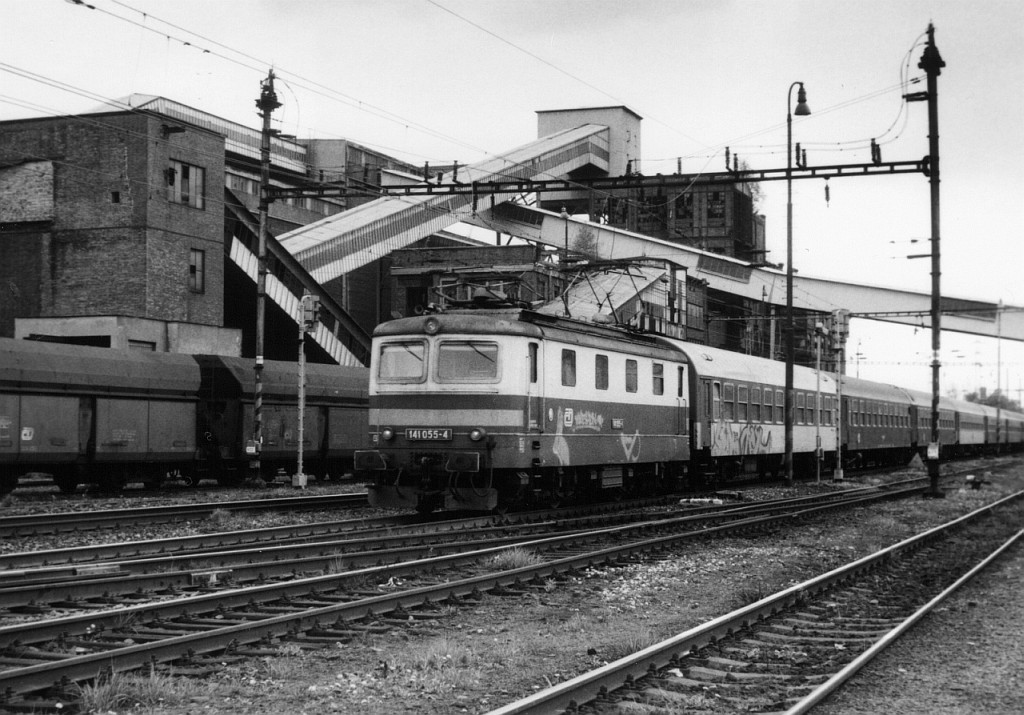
column 428, row 433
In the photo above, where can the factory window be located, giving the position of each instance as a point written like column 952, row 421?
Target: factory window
column 658, row 378
column 684, row 206
column 601, row 372
column 186, row 184
column 569, row 368
column 716, row 205
column 631, row 375
column 197, row 271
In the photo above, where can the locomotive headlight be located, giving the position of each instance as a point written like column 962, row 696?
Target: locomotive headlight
column 431, row 326
column 387, row 434
column 477, row 433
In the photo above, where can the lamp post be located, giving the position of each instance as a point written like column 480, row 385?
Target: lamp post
column 801, row 110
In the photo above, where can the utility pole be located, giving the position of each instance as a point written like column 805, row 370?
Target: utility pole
column 932, row 63
column 266, row 103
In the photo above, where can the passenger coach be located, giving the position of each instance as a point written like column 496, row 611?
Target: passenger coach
column 739, row 412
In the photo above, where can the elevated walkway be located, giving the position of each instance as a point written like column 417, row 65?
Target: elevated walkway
column 757, row 283
column 339, row 335
column 339, row 244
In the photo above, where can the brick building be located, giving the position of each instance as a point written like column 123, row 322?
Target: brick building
column 116, row 227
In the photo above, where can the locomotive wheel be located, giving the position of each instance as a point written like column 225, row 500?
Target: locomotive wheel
column 230, row 478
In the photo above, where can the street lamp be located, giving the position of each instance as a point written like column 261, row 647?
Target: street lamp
column 802, row 110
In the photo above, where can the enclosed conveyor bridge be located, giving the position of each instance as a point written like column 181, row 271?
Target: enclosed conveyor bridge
column 339, row 244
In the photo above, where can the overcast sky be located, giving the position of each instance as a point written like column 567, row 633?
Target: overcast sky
column 444, row 80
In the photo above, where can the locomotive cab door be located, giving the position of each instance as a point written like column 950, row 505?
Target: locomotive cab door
column 534, row 396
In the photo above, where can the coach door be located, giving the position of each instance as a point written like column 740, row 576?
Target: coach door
column 709, row 408
column 681, row 406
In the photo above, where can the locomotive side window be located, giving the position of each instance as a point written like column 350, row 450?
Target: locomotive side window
column 568, row 367
column 679, row 385
column 658, row 378
column 533, row 363
column 631, row 375
column 601, row 372
column 402, row 362
column 467, row 361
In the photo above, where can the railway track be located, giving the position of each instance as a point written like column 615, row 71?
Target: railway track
column 197, row 631
column 789, row 651
column 88, row 578
column 27, row 525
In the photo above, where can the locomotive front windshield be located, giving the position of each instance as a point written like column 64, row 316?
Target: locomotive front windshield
column 455, row 361
column 402, row 362
column 467, row 361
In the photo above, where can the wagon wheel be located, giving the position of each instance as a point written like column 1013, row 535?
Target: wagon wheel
column 8, row 482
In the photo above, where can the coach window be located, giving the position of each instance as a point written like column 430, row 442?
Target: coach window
column 755, row 404
column 780, row 406
column 767, row 404
column 569, row 368
column 601, row 372
column 533, row 363
column 715, row 395
column 467, row 361
column 741, row 403
column 631, row 375
column 402, row 362
column 658, row 378
column 729, row 402
column 801, row 402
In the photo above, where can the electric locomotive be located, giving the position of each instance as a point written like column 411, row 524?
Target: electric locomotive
column 478, row 410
